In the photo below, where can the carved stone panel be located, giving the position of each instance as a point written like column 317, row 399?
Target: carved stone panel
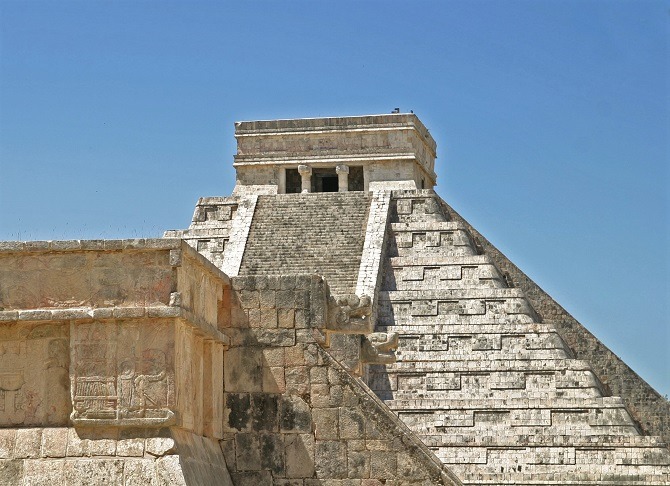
column 122, row 374
column 34, row 385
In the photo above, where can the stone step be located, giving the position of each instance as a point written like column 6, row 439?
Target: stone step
column 515, row 420
column 423, row 226
column 417, row 207
column 466, row 393
column 536, row 366
column 451, row 351
column 463, row 343
column 533, row 376
column 431, row 239
column 440, row 272
column 484, row 384
column 490, row 303
column 439, row 261
column 540, row 475
column 391, row 319
column 595, row 454
column 447, row 405
column 513, row 432
column 505, row 433
column 309, row 233
column 544, row 440
column 450, row 294
column 492, row 328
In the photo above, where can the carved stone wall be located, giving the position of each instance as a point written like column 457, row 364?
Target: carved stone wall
column 34, row 380
column 294, row 415
column 111, row 368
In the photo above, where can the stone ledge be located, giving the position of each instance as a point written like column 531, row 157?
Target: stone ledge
column 84, row 245
column 336, row 124
column 327, row 160
column 439, row 260
column 505, row 405
column 114, row 313
column 442, row 294
column 423, row 227
column 595, row 441
column 466, row 365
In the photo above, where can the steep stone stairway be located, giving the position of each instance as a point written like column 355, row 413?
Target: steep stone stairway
column 301, row 233
column 495, row 393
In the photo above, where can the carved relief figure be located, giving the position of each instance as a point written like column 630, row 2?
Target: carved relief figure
column 117, row 379
column 143, row 394
column 126, row 387
column 12, row 362
column 57, row 378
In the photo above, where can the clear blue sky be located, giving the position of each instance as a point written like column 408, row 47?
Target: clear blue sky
column 551, row 118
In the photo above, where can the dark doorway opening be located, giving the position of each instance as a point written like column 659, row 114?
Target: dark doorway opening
column 329, row 184
column 293, row 181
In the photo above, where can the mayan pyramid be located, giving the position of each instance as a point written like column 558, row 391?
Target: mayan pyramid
column 493, row 375
column 333, row 321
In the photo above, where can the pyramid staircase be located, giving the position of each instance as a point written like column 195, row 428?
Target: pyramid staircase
column 319, row 233
column 493, row 391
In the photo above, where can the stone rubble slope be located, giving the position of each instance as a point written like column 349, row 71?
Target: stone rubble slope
column 492, row 390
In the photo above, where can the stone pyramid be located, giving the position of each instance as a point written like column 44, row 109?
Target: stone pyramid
column 498, row 380
column 332, row 322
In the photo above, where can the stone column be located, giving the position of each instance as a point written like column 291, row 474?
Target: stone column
column 342, row 178
column 306, row 174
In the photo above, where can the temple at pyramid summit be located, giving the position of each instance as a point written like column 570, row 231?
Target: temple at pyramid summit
column 333, row 321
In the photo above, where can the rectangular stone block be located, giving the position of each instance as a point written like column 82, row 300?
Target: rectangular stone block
column 28, row 443
column 299, row 455
column 272, row 453
column 54, row 442
column 358, row 464
column 331, row 459
column 237, row 412
column 352, row 423
column 326, row 423
column 84, row 472
column 243, row 370
column 38, row 472
column 247, row 452
column 7, row 441
column 139, row 472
